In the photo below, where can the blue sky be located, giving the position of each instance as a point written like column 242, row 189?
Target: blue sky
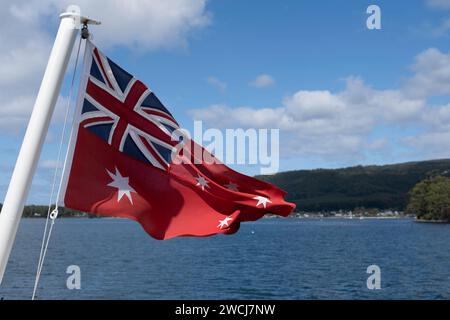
column 340, row 94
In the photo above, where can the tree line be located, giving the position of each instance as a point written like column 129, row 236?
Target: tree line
column 40, row 211
column 430, row 199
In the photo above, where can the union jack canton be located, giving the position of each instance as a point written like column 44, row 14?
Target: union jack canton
column 121, row 110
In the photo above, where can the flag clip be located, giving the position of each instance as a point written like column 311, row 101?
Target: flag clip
column 85, row 31
column 54, row 214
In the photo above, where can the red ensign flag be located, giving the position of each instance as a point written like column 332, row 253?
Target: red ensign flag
column 123, row 162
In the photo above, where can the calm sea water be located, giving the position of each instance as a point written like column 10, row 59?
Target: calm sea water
column 268, row 259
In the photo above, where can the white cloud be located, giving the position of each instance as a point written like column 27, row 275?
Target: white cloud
column 433, row 141
column 263, row 81
column 439, row 4
column 143, row 24
column 430, row 144
column 438, row 117
column 432, row 74
column 355, row 109
column 379, row 144
column 437, row 31
column 217, row 83
column 24, row 49
column 335, row 124
column 26, row 40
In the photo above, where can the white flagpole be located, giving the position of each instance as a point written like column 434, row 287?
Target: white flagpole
column 36, row 132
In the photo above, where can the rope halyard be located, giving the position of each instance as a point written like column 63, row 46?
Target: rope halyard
column 52, row 215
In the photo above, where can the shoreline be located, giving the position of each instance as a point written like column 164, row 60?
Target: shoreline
column 312, row 217
column 432, row 221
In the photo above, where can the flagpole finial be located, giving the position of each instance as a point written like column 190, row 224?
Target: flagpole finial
column 74, row 12
column 87, row 20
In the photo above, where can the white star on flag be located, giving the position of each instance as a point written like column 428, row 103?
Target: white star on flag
column 262, row 200
column 121, row 183
column 232, row 186
column 224, row 222
column 201, row 181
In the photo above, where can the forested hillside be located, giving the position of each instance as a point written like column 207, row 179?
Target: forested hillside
column 381, row 187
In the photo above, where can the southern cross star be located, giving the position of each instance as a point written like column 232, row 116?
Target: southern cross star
column 224, row 222
column 262, row 200
column 201, row 181
column 122, row 184
column 232, row 186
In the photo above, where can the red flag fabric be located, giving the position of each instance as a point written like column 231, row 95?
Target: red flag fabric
column 123, row 162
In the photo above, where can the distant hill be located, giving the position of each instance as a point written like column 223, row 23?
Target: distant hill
column 381, row 187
